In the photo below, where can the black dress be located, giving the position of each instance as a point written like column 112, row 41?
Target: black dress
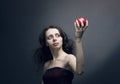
column 58, row 75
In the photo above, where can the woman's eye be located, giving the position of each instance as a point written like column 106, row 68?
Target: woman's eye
column 57, row 35
column 50, row 37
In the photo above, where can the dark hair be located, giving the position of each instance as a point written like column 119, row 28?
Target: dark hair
column 43, row 53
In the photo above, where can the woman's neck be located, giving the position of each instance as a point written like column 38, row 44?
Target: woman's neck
column 57, row 52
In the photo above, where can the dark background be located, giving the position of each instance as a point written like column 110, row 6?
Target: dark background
column 22, row 21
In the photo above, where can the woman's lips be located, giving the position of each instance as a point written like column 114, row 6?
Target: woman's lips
column 56, row 44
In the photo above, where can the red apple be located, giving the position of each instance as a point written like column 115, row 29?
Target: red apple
column 83, row 20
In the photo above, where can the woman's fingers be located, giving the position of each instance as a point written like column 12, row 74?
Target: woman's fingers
column 81, row 24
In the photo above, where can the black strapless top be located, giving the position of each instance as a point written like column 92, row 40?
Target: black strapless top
column 58, row 75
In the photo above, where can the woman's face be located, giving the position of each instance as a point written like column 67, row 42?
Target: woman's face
column 53, row 38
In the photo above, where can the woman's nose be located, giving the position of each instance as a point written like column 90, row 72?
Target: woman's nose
column 54, row 39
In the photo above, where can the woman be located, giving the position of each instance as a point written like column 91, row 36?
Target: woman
column 55, row 54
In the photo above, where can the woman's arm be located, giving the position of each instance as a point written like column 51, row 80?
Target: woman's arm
column 42, row 82
column 77, row 63
column 79, row 49
column 79, row 54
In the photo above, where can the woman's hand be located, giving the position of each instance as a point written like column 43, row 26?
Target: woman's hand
column 81, row 25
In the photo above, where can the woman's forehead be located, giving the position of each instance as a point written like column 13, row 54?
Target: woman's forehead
column 52, row 31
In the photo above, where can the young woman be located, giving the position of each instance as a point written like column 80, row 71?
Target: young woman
column 55, row 54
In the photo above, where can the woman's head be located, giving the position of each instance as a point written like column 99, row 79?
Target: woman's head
column 57, row 35
column 46, row 35
column 53, row 38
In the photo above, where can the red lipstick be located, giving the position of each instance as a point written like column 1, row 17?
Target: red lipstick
column 55, row 44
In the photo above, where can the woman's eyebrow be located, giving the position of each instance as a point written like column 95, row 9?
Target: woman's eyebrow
column 50, row 35
column 57, row 33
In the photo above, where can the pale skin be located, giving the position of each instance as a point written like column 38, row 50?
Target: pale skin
column 60, row 57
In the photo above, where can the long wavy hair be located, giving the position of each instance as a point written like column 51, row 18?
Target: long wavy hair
column 43, row 53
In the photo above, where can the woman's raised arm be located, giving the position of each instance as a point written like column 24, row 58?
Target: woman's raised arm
column 80, row 26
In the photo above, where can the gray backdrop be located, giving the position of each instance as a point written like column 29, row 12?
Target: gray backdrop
column 22, row 21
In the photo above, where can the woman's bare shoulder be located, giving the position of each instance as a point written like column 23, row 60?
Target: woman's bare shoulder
column 71, row 56
column 46, row 65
